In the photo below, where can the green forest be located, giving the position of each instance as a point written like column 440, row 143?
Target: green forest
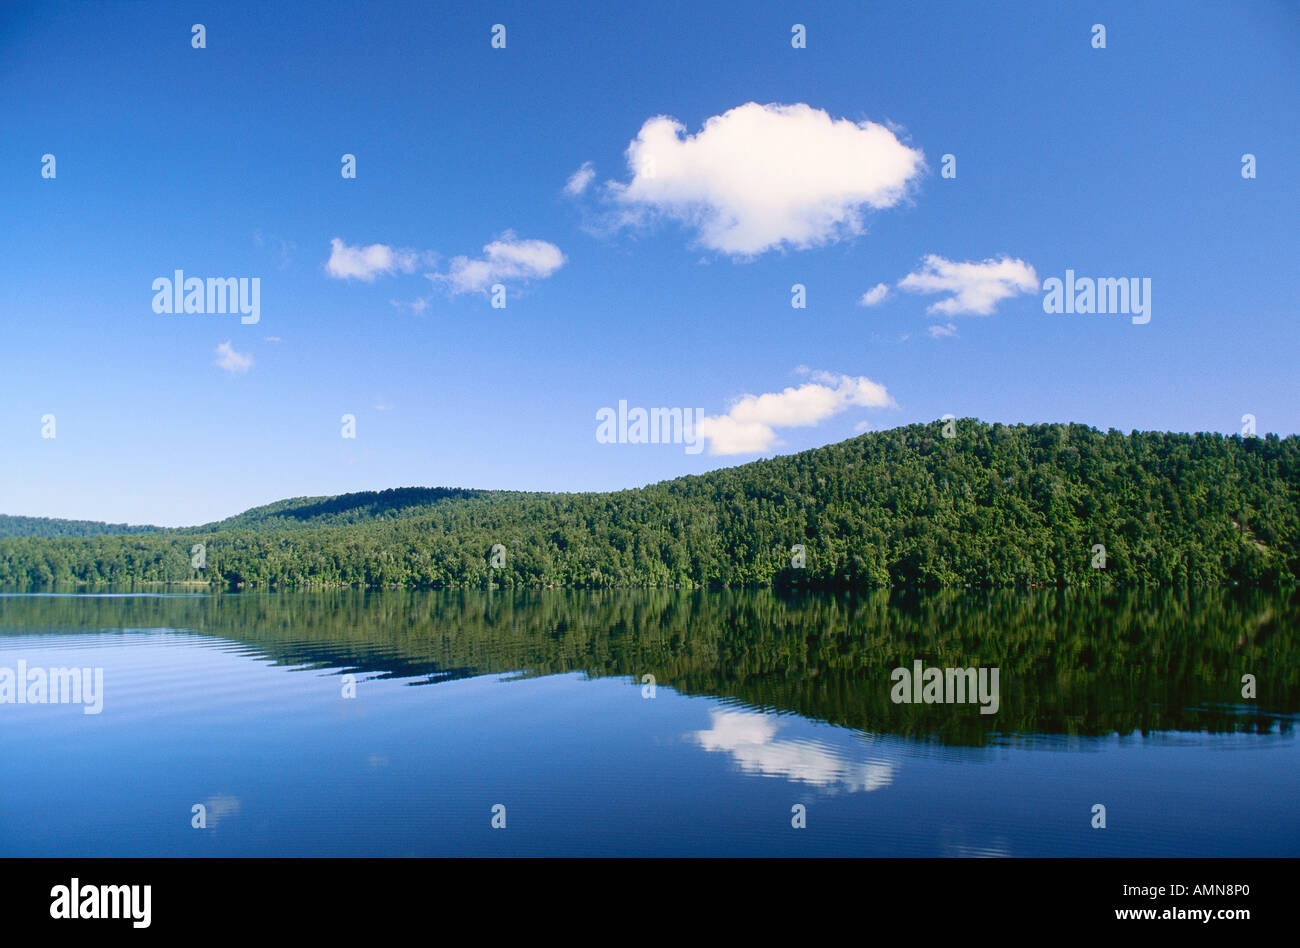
column 996, row 505
column 50, row 527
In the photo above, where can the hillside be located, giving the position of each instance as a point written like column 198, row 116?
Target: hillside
column 997, row 505
column 52, row 527
column 344, row 509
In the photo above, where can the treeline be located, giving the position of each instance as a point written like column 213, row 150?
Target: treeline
column 348, row 508
column 50, row 527
column 995, row 505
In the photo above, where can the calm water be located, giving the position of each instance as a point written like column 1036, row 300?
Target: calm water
column 761, row 702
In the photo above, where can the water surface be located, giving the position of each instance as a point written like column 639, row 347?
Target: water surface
column 538, row 702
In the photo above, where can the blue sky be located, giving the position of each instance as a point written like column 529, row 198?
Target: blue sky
column 674, row 285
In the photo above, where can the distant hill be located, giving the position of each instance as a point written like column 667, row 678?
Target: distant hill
column 49, row 527
column 344, row 509
column 295, row 512
column 995, row 505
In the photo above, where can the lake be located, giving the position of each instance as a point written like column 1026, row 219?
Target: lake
column 397, row 723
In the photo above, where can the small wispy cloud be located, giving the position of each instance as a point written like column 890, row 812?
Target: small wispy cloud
column 415, row 306
column 973, row 288
column 348, row 262
column 232, row 361
column 875, row 295
column 579, row 180
column 507, row 258
column 939, row 332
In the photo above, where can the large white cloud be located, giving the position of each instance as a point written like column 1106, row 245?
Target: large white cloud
column 749, row 427
column 974, row 288
column 365, row 263
column 507, row 258
column 759, row 177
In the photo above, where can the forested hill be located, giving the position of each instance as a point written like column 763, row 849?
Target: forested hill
column 295, row 512
column 995, row 505
column 51, row 527
column 345, row 508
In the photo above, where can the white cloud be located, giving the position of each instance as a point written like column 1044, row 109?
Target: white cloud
column 748, row 428
column 874, row 295
column 975, row 288
column 938, row 332
column 366, row 263
column 232, row 361
column 507, row 258
column 416, row 306
column 728, row 436
column 579, row 180
column 749, row 738
column 759, row 177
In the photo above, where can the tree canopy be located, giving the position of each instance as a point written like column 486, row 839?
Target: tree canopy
column 996, row 505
